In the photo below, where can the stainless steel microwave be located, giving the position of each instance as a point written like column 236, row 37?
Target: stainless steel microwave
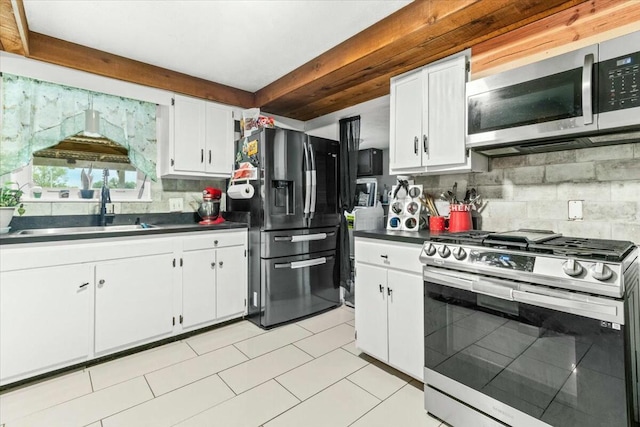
column 586, row 97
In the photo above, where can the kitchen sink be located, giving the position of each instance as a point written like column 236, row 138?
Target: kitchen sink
column 77, row 230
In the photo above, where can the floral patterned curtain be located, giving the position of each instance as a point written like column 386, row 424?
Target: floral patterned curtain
column 38, row 114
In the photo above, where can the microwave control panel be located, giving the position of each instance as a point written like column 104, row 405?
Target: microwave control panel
column 619, row 83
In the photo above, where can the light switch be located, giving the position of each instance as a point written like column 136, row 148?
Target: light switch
column 575, row 210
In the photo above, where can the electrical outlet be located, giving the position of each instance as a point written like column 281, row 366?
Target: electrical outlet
column 176, row 205
column 575, row 210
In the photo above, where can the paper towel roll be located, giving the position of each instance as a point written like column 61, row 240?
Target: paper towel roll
column 240, row 191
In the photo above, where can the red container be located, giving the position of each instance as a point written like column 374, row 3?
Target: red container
column 460, row 221
column 436, row 223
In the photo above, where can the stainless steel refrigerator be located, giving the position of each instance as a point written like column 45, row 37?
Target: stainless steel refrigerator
column 294, row 220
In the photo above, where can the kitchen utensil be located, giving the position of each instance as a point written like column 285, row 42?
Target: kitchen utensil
column 454, row 192
column 397, row 207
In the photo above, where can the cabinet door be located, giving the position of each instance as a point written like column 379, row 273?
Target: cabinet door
column 219, row 139
column 45, row 318
column 133, row 302
column 231, row 282
column 198, row 287
column 371, row 310
column 189, row 134
column 406, row 325
column 406, row 122
column 445, row 113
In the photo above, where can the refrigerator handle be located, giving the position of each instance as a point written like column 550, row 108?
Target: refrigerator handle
column 307, row 190
column 314, row 184
column 303, row 237
column 302, row 264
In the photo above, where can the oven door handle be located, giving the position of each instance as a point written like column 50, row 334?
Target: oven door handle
column 440, row 278
column 492, row 289
column 589, row 309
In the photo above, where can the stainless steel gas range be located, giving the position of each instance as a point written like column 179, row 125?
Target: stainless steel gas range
column 530, row 328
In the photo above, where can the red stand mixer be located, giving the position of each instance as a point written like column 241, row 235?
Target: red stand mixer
column 209, row 209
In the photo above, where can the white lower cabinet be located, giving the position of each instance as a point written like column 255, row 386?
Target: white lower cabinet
column 198, row 287
column 45, row 319
column 63, row 303
column 389, row 293
column 214, row 280
column 231, row 280
column 133, row 302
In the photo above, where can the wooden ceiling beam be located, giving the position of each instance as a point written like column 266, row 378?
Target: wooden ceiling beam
column 67, row 54
column 14, row 30
column 452, row 27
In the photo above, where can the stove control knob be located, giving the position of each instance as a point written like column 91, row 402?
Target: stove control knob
column 459, row 254
column 572, row 268
column 430, row 250
column 444, row 251
column 599, row 271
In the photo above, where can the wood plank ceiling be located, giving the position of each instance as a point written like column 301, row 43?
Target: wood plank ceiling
column 355, row 71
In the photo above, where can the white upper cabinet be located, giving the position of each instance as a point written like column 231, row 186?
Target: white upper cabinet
column 428, row 114
column 197, row 139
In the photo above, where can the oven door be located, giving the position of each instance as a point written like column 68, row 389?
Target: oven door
column 545, row 99
column 521, row 354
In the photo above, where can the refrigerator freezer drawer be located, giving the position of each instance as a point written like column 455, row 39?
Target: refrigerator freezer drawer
column 296, row 242
column 298, row 286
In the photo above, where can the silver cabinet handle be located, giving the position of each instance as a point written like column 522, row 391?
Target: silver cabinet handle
column 425, row 144
column 381, row 288
column 389, row 291
column 209, row 156
column 415, row 145
column 202, row 155
column 213, row 264
column 215, row 242
column 220, row 264
column 587, row 85
column 101, row 282
column 83, row 285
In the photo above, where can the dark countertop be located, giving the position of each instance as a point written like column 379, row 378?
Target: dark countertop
column 416, row 237
column 161, row 224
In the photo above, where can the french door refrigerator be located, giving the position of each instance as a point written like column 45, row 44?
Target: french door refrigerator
column 294, row 220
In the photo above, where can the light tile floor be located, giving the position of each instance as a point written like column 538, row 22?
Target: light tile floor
column 305, row 374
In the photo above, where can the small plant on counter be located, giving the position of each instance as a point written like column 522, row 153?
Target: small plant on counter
column 10, row 197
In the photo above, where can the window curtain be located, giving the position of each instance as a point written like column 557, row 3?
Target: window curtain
column 38, row 114
column 349, row 144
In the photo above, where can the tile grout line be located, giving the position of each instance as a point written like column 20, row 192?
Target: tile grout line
column 149, row 385
column 149, row 372
column 380, row 403
column 359, row 386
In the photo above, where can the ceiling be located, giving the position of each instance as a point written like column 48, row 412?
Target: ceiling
column 243, row 44
column 300, row 59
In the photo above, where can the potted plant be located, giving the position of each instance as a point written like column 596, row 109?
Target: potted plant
column 9, row 200
column 87, row 180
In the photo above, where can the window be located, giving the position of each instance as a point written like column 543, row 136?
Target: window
column 62, row 181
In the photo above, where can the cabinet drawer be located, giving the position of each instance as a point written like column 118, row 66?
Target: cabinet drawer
column 218, row 239
column 403, row 256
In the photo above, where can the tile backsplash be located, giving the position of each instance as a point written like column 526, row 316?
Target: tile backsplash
column 533, row 191
column 161, row 192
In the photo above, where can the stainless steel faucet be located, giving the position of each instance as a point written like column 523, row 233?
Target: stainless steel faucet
column 105, row 197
